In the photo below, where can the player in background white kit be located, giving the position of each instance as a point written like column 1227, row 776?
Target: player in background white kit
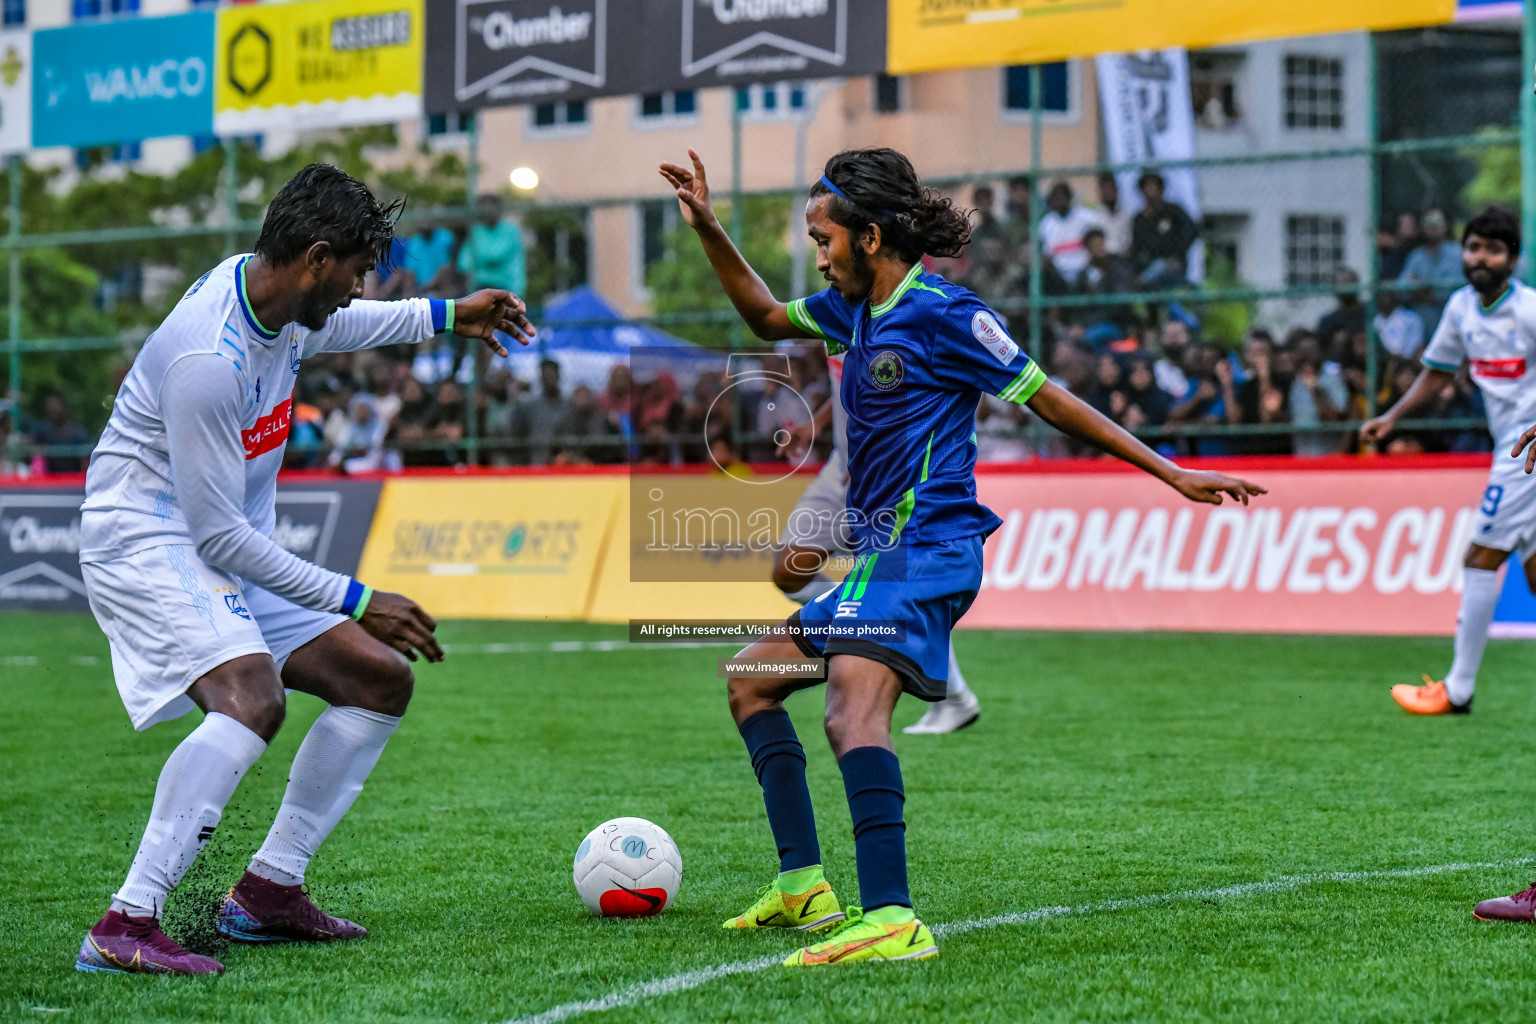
column 1491, row 324
column 816, row 530
column 201, row 607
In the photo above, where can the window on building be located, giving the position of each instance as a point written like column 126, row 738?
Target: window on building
column 778, row 99
column 1214, row 89
column 658, row 218
column 84, row 10
column 100, row 156
column 1314, row 248
column 678, row 103
column 1314, row 92
column 1223, row 235
column 1055, row 88
column 889, row 90
column 555, row 115
column 13, row 12
column 454, row 123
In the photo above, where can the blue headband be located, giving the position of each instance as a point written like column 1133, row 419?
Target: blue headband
column 833, row 188
column 844, row 195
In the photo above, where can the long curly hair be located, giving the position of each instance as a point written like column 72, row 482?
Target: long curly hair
column 881, row 188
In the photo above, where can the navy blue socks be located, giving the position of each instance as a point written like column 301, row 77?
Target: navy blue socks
column 872, row 779
column 779, row 761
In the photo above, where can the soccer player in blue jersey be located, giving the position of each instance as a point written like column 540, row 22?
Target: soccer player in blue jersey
column 920, row 351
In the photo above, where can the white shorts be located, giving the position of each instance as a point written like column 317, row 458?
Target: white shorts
column 818, row 521
column 171, row 619
column 1506, row 513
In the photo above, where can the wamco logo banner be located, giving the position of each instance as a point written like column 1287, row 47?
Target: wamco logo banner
column 136, row 78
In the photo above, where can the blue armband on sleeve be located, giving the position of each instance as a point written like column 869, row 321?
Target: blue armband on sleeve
column 442, row 315
column 356, row 594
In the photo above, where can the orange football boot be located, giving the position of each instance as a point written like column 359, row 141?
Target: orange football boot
column 1429, row 699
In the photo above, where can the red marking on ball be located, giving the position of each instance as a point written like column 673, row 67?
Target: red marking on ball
column 622, row 902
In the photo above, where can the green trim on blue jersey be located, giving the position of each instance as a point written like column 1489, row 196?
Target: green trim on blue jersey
column 909, row 499
column 1024, row 386
column 901, row 289
column 800, row 315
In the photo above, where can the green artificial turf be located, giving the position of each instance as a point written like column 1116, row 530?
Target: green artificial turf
column 1103, row 767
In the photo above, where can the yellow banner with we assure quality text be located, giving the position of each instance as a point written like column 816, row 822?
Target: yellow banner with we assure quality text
column 928, row 35
column 317, row 64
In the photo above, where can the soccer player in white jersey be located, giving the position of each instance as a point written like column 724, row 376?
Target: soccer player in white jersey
column 203, row 610
column 1489, row 323
column 817, row 529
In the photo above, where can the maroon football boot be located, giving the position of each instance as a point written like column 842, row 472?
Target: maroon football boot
column 136, row 945
column 257, row 910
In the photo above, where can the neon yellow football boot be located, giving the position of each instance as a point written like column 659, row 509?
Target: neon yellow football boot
column 859, row 938
column 808, row 911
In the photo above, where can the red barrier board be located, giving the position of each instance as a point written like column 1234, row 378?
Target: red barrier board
column 1377, row 550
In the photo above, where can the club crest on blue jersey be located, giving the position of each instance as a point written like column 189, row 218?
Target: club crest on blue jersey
column 886, row 370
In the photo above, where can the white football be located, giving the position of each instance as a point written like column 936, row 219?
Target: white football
column 627, row 867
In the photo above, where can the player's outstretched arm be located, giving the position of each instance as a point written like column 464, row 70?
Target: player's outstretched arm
column 1429, row 383
column 1068, row 414
column 490, row 310
column 766, row 316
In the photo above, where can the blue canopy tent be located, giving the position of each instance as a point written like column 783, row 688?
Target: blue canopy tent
column 587, row 337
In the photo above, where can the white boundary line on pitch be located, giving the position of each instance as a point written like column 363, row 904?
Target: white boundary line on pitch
column 694, row 979
column 582, row 646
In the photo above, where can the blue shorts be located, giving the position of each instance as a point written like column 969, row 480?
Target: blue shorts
column 897, row 607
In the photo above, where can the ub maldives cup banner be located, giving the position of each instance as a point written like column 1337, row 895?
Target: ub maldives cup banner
column 1370, row 550
column 1148, row 118
column 114, row 81
column 324, row 522
column 321, row 64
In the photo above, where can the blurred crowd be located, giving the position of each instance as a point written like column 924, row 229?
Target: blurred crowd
column 1153, row 365
column 1150, row 366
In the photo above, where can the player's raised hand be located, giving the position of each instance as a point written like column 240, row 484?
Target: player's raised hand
column 402, row 624
column 1524, row 445
column 1208, row 487
column 692, row 191
column 490, row 310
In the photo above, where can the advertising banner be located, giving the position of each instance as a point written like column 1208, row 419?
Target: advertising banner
column 1148, row 117
column 15, row 91
column 324, row 522
column 322, row 64
column 734, row 42
column 1369, row 551
column 495, row 52
column 929, row 35
column 512, row 547
column 115, row 81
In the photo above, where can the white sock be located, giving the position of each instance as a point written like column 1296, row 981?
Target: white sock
column 1479, row 595
column 334, row 760
column 197, row 781
column 957, row 689
column 819, row 585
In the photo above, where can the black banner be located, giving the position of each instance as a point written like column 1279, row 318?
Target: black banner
column 323, row 522
column 498, row 52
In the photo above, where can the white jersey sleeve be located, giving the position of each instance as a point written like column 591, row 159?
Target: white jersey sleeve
column 1447, row 349
column 368, row 324
column 202, row 402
